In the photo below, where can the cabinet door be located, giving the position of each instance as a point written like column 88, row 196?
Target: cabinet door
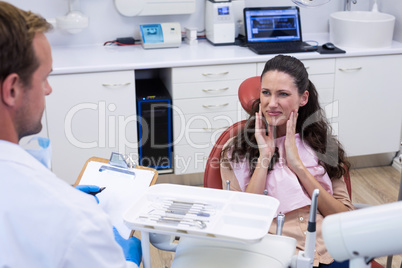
column 89, row 115
column 368, row 93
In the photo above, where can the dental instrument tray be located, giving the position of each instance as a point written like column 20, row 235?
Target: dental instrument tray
column 202, row 212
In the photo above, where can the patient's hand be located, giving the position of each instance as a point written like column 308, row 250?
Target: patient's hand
column 266, row 143
column 292, row 154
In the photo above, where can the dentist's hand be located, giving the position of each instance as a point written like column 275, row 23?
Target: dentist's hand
column 131, row 247
column 90, row 189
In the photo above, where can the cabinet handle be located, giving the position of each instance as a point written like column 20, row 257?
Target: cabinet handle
column 215, row 106
column 212, row 74
column 116, row 85
column 350, row 69
column 215, row 90
column 213, row 129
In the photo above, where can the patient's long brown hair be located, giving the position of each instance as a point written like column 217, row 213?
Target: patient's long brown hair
column 312, row 125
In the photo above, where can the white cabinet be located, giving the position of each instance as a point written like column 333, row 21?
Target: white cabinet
column 368, row 92
column 90, row 114
column 205, row 102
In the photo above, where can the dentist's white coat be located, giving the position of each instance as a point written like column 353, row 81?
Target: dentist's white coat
column 44, row 222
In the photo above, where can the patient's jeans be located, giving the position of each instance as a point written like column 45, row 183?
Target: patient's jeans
column 335, row 264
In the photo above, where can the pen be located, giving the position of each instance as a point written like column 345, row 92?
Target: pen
column 97, row 192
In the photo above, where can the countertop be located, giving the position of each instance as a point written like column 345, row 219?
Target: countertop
column 99, row 58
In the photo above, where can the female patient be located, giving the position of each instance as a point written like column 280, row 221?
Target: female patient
column 287, row 149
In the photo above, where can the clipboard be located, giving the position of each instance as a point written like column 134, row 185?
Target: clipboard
column 122, row 188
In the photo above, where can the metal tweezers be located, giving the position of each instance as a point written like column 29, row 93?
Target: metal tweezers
column 173, row 220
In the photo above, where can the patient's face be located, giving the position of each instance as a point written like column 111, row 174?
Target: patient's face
column 279, row 97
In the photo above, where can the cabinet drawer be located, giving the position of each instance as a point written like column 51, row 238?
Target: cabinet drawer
column 202, row 130
column 206, row 105
column 206, row 89
column 190, row 160
column 213, row 73
column 324, row 66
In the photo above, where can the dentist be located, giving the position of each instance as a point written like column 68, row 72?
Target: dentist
column 44, row 222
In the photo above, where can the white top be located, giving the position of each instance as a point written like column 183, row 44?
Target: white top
column 44, row 222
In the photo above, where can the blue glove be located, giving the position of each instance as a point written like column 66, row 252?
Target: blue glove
column 89, row 189
column 131, row 247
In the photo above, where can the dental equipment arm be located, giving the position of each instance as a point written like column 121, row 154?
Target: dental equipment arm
column 364, row 234
column 306, row 258
column 280, row 220
column 311, row 228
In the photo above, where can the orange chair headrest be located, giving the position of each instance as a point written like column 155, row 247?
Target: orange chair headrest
column 249, row 91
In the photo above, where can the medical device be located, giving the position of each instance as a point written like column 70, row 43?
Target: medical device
column 358, row 236
column 228, row 226
column 364, row 234
column 161, row 35
column 219, row 22
column 305, row 258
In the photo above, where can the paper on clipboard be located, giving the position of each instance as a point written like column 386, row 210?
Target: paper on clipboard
column 122, row 190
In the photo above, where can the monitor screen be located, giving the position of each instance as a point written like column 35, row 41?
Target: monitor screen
column 151, row 33
column 223, row 10
column 272, row 24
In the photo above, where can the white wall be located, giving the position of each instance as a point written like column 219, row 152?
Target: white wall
column 107, row 24
column 393, row 7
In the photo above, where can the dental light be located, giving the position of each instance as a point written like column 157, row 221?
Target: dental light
column 364, row 234
column 310, row 3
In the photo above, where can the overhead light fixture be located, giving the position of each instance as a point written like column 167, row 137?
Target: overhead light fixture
column 74, row 21
column 310, row 3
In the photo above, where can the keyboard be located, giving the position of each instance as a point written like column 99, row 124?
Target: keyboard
column 277, row 47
